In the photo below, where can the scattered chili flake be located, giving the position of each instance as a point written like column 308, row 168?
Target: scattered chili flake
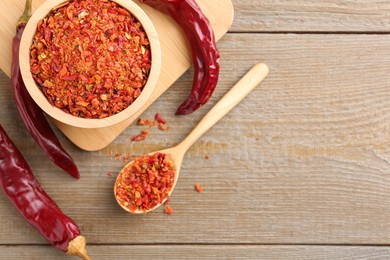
column 118, row 156
column 198, row 188
column 109, row 174
column 126, row 157
column 139, row 137
column 168, row 210
column 144, row 122
column 162, row 126
column 146, row 182
column 141, row 121
column 166, row 202
column 207, row 156
column 91, row 58
column 147, row 122
column 159, row 118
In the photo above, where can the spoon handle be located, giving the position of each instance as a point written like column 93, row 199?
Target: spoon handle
column 237, row 93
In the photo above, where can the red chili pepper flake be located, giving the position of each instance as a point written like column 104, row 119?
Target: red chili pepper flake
column 147, row 122
column 158, row 121
column 91, row 58
column 118, row 156
column 162, row 127
column 207, row 156
column 139, row 137
column 146, row 182
column 141, row 121
column 159, row 118
column 168, row 210
column 198, row 188
column 166, row 202
column 126, row 157
column 109, row 174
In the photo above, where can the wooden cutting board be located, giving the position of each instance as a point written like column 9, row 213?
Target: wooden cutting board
column 176, row 59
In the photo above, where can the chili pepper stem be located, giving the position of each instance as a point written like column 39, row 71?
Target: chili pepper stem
column 77, row 248
column 26, row 13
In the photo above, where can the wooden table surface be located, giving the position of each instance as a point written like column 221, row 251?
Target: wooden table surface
column 298, row 170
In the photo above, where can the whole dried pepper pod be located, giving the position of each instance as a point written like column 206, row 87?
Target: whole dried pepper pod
column 205, row 56
column 30, row 113
column 24, row 191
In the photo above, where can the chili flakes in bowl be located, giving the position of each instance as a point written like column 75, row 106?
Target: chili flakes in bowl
column 91, row 58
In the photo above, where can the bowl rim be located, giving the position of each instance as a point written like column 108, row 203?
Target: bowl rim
column 61, row 116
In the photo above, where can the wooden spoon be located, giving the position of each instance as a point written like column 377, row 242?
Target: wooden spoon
column 230, row 100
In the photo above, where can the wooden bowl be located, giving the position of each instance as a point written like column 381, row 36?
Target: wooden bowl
column 58, row 114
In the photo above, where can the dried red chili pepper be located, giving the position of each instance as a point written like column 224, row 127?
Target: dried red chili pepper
column 30, row 113
column 26, row 194
column 205, row 55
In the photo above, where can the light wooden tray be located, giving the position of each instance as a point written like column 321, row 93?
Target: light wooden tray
column 176, row 59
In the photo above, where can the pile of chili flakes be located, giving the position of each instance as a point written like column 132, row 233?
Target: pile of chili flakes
column 91, row 58
column 146, row 182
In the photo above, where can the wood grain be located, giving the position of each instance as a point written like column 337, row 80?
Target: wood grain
column 301, row 163
column 302, row 160
column 262, row 16
column 311, row 16
column 202, row 252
